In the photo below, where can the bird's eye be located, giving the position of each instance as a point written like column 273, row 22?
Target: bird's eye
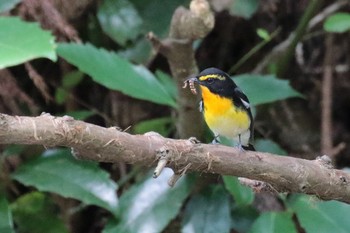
column 210, row 80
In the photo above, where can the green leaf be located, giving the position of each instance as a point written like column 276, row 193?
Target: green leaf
column 60, row 95
column 262, row 89
column 72, row 79
column 243, row 217
column 156, row 14
column 80, row 115
column 339, row 22
column 266, row 145
column 120, row 20
column 11, row 150
column 150, row 205
column 36, row 212
column 159, row 125
column 263, row 34
column 208, row 212
column 114, row 72
column 274, row 222
column 6, row 222
column 6, row 5
column 22, row 41
column 168, row 83
column 321, row 216
column 242, row 194
column 139, row 52
column 244, row 8
column 58, row 172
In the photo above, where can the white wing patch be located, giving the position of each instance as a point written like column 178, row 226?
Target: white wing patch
column 245, row 103
column 201, row 106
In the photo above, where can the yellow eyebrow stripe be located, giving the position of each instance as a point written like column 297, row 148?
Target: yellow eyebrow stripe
column 205, row 77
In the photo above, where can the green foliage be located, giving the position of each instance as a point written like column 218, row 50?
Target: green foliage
column 80, row 115
column 243, row 217
column 208, row 212
column 163, row 126
column 6, row 222
column 114, row 72
column 11, row 150
column 262, row 89
column 150, row 205
column 339, row 22
column 244, row 8
column 241, row 194
column 22, row 41
column 120, row 20
column 321, row 216
column 156, row 14
column 69, row 81
column 35, row 212
column 274, row 222
column 263, row 34
column 56, row 171
column 266, row 145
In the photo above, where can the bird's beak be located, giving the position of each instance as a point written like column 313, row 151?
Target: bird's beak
column 192, row 78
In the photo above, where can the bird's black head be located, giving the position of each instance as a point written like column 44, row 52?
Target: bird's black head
column 216, row 81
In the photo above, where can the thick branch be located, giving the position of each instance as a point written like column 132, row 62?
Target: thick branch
column 285, row 174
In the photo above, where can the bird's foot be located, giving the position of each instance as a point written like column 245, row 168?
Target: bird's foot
column 216, row 140
column 240, row 147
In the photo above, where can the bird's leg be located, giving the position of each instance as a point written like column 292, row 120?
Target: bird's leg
column 240, row 147
column 216, row 139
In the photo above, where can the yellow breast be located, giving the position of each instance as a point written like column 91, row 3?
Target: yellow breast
column 222, row 117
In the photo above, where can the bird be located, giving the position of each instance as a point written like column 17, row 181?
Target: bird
column 226, row 109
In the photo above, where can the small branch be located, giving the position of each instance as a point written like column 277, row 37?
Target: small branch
column 326, row 103
column 38, row 81
column 258, row 186
column 313, row 6
column 91, row 142
column 280, row 49
column 253, row 51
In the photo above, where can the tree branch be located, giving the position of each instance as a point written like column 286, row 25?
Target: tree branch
column 186, row 26
column 284, row 174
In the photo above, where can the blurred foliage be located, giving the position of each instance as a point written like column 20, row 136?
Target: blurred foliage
column 119, row 58
column 339, row 22
column 150, row 205
column 36, row 212
column 6, row 221
column 116, row 73
column 22, row 41
column 208, row 212
column 244, row 8
column 58, row 172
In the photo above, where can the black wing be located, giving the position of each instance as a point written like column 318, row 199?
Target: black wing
column 244, row 102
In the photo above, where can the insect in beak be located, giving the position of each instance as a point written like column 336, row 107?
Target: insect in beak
column 190, row 81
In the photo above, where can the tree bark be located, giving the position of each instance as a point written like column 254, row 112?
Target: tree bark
column 88, row 141
column 186, row 26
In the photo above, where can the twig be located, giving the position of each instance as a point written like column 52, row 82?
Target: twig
column 254, row 50
column 279, row 49
column 313, row 6
column 326, row 103
column 38, row 81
